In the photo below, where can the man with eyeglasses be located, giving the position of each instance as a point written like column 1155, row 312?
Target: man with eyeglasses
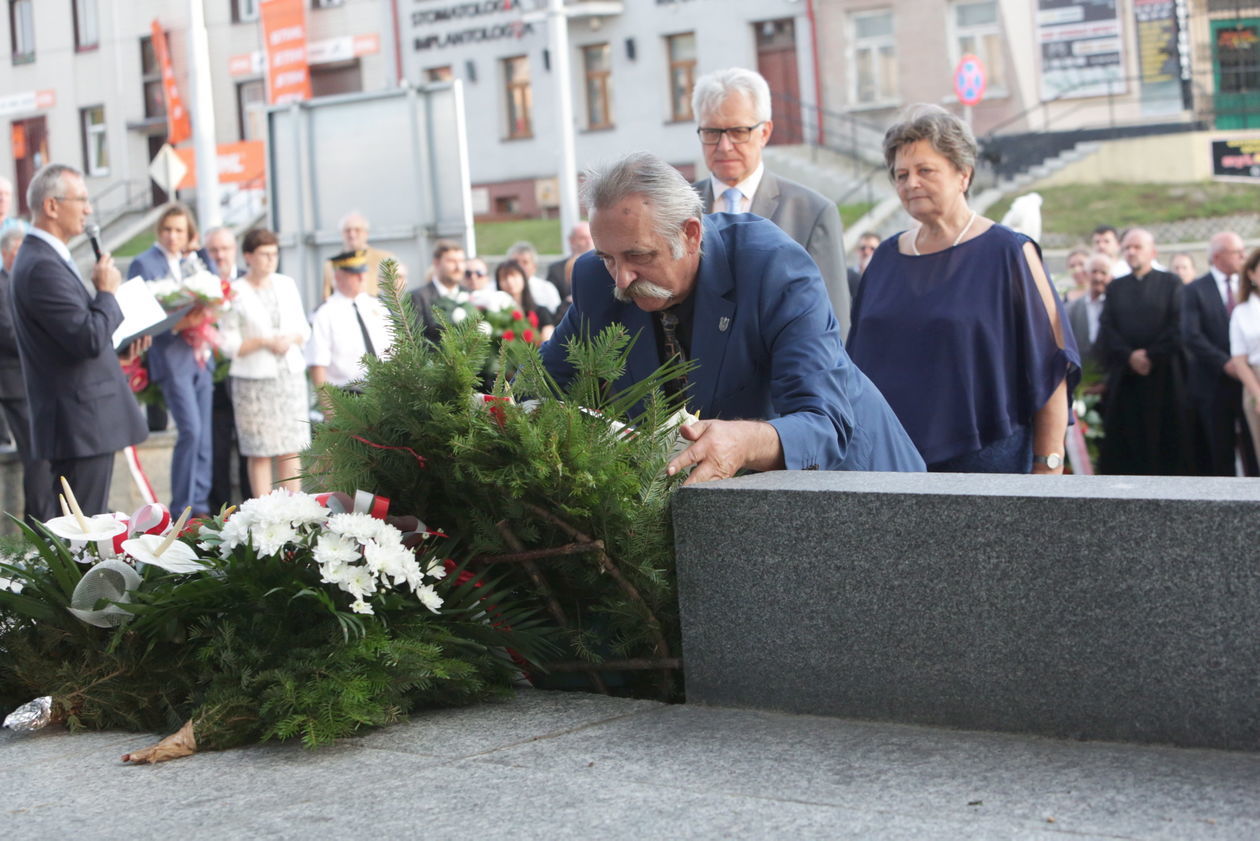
column 733, row 110
column 1215, row 389
column 82, row 410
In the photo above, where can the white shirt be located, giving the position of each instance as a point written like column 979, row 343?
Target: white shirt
column 1093, row 314
column 1221, row 280
column 747, row 188
column 1244, row 330
column 544, row 293
column 337, row 340
column 456, row 293
column 64, row 253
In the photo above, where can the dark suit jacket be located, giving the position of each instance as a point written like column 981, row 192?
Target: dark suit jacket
column 766, row 344
column 11, row 384
column 79, row 399
column 1205, row 324
column 422, row 301
column 809, row 218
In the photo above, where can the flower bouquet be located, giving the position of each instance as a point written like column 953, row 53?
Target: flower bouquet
column 205, row 297
column 297, row 616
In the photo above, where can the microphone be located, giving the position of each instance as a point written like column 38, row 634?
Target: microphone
column 93, row 232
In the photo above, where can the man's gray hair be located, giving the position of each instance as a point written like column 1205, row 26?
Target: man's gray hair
column 354, row 214
column 47, row 183
column 10, row 238
column 1220, row 241
column 712, row 89
column 523, row 247
column 948, row 135
column 669, row 194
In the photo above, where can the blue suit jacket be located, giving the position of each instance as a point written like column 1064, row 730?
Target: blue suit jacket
column 767, row 344
column 171, row 356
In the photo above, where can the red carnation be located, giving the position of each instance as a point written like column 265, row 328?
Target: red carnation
column 517, row 315
column 509, row 335
column 533, row 319
column 527, row 335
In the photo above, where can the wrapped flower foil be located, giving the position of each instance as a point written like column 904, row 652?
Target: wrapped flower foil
column 33, row 715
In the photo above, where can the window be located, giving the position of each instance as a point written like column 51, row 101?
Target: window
column 439, row 74
column 874, row 70
column 251, row 96
column 151, row 78
column 681, row 50
column 22, row 30
column 87, row 32
column 976, row 31
column 520, row 100
column 326, row 4
column 597, row 62
column 244, row 11
column 95, row 147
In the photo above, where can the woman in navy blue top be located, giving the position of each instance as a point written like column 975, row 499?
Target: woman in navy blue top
column 956, row 321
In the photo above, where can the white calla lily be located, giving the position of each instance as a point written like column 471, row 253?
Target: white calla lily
column 177, row 557
column 90, row 529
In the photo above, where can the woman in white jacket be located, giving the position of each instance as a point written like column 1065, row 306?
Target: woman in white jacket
column 263, row 335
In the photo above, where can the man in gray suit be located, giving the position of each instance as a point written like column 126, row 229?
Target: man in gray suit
column 733, row 110
column 82, row 410
column 1084, row 313
column 37, row 487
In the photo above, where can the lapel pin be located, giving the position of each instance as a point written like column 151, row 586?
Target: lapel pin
column 723, row 323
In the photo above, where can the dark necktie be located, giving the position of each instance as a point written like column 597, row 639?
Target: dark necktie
column 367, row 339
column 1230, row 301
column 673, row 351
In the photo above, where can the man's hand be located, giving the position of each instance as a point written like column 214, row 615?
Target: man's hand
column 136, row 348
column 1231, row 368
column 105, row 275
column 1140, row 362
column 720, row 449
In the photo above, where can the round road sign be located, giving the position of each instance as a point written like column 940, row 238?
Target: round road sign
column 969, row 81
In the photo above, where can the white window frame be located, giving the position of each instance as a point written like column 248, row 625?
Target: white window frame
column 22, row 14
column 92, row 164
column 246, row 10
column 994, row 86
column 875, row 45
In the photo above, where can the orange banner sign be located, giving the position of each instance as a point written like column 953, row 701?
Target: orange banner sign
column 284, row 40
column 239, row 163
column 177, row 126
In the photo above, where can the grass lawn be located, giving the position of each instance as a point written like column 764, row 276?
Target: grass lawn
column 1076, row 210
column 850, row 213
column 140, row 242
column 496, row 238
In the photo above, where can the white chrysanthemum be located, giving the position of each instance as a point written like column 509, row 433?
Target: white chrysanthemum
column 458, row 314
column 335, row 550
column 436, row 570
column 362, row 527
column 300, row 509
column 360, row 606
column 205, row 285
column 391, row 559
column 235, row 533
column 165, row 286
column 429, row 598
column 358, row 582
column 270, row 538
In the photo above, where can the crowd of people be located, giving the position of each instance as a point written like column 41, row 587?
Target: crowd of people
column 946, row 347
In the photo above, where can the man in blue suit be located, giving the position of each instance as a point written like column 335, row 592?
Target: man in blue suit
column 187, row 382
column 738, row 296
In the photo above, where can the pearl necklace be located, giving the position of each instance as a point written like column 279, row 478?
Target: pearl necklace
column 914, row 243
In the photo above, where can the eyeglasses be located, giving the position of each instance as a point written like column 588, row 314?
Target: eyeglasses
column 737, row 134
column 474, row 273
column 83, row 199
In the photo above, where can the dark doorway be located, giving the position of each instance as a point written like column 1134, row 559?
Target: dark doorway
column 30, row 152
column 776, row 60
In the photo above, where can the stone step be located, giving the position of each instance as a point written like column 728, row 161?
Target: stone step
column 1117, row 608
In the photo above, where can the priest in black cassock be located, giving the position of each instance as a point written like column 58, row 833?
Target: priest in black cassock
column 1146, row 421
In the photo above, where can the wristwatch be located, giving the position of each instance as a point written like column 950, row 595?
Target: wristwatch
column 1054, row 461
